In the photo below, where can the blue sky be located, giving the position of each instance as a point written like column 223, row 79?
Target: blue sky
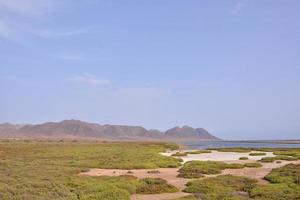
column 231, row 66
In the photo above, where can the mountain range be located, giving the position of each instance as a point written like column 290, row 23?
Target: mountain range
column 79, row 129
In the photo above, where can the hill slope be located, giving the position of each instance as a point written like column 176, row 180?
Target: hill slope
column 80, row 129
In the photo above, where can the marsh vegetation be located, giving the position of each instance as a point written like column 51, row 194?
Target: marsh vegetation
column 46, row 170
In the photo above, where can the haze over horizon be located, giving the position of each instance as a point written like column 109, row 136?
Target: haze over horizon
column 231, row 67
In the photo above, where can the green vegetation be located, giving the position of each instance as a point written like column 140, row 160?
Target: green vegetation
column 274, row 192
column 153, row 172
column 221, row 187
column 280, row 157
column 190, row 152
column 243, row 158
column 171, row 146
column 257, row 154
column 253, row 165
column 179, row 154
column 288, row 152
column 285, row 184
column 46, row 170
column 199, row 152
column 289, row 174
column 155, row 186
column 196, row 169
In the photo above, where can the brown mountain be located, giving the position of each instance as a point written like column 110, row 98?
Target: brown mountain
column 187, row 133
column 80, row 129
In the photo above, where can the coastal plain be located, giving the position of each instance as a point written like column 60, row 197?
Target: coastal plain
column 88, row 170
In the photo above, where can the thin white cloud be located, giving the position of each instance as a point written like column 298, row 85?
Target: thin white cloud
column 89, row 79
column 238, row 7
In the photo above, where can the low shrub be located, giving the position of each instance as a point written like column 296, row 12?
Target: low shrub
column 199, row 152
column 179, row 154
column 155, row 186
column 49, row 169
column 221, row 187
column 253, row 165
column 288, row 174
column 171, row 146
column 111, row 194
column 153, row 172
column 243, row 158
column 280, row 157
column 258, row 154
column 196, row 169
column 274, row 192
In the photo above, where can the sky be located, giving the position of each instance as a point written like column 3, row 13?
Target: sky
column 232, row 67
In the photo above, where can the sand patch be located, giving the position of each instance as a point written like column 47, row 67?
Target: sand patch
column 220, row 156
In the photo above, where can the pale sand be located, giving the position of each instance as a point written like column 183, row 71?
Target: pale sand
column 170, row 174
column 219, row 156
